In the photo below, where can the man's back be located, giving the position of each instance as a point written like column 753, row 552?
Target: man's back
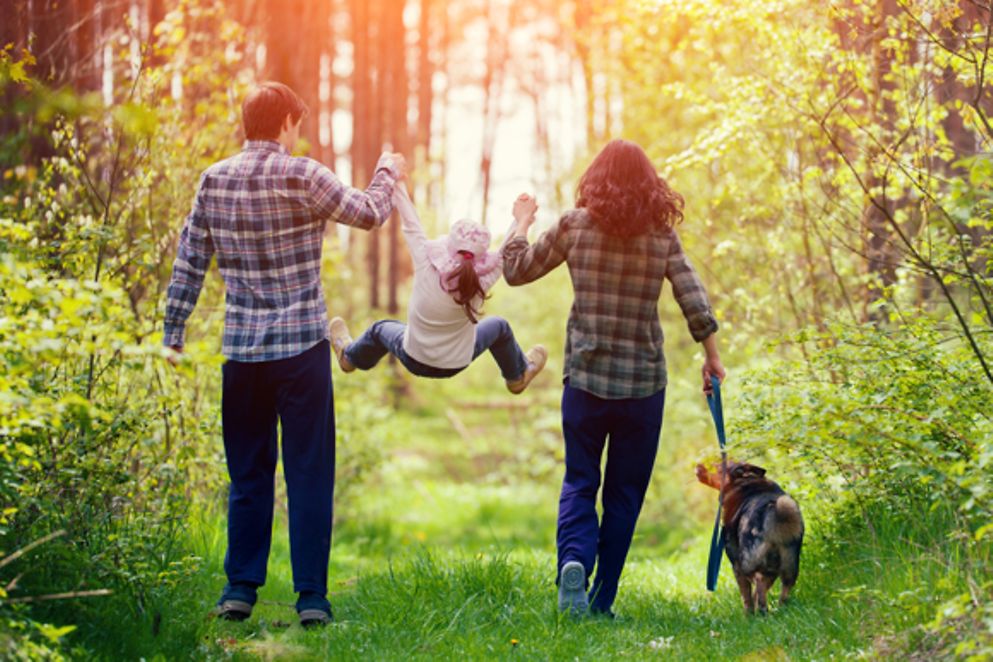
column 264, row 213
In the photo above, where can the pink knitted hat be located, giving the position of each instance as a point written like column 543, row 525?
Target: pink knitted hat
column 466, row 240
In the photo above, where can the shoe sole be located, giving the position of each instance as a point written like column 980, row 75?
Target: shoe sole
column 234, row 610
column 314, row 617
column 518, row 387
column 572, row 589
column 343, row 362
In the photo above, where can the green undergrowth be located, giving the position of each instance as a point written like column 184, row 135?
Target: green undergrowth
column 861, row 593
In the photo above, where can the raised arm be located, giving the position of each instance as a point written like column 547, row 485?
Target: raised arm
column 366, row 209
column 410, row 224
column 196, row 248
column 523, row 263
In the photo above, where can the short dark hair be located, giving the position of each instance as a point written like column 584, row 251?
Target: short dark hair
column 625, row 195
column 265, row 109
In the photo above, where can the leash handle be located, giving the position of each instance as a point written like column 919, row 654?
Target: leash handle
column 717, row 538
column 717, row 409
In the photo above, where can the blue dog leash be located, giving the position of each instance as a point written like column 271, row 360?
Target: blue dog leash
column 717, row 539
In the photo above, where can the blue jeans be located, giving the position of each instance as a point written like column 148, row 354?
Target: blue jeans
column 386, row 337
column 297, row 392
column 633, row 426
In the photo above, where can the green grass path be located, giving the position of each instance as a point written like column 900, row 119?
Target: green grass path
column 434, row 603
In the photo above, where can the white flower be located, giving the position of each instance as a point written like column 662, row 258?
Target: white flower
column 661, row 643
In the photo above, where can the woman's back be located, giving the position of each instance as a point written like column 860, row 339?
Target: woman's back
column 614, row 335
column 614, row 340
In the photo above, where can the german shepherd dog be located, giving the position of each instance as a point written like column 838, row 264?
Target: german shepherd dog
column 763, row 531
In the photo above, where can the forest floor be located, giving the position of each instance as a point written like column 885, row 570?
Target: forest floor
column 432, row 567
column 497, row 601
column 444, row 547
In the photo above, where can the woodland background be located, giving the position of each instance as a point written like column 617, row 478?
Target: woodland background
column 835, row 159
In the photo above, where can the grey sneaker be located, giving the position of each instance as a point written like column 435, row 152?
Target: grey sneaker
column 233, row 610
column 310, row 618
column 537, row 356
column 340, row 339
column 572, row 589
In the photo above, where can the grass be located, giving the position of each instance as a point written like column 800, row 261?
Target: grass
column 495, row 599
column 446, row 551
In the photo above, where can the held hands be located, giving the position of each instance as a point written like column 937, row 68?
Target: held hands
column 525, row 207
column 399, row 163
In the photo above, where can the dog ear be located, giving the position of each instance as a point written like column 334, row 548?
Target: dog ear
column 755, row 470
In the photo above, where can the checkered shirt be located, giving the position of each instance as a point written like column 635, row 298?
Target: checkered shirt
column 264, row 213
column 613, row 338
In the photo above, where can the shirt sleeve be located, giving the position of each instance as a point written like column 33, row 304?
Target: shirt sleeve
column 196, row 248
column 368, row 209
column 413, row 233
column 524, row 263
column 689, row 292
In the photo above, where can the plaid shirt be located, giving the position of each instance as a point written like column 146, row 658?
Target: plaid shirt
column 613, row 338
column 264, row 213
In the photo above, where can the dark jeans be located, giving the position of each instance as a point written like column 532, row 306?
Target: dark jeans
column 633, row 427
column 297, row 391
column 386, row 336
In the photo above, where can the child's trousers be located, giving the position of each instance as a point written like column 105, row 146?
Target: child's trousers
column 386, row 337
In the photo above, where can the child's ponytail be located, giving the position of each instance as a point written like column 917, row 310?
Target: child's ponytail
column 465, row 288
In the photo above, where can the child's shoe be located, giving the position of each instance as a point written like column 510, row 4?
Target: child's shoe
column 536, row 356
column 340, row 340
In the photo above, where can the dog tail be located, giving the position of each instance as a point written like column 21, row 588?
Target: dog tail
column 789, row 522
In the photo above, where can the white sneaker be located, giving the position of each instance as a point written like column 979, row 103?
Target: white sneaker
column 537, row 356
column 340, row 340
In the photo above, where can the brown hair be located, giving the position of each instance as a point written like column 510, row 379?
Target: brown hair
column 265, row 109
column 464, row 286
column 625, row 195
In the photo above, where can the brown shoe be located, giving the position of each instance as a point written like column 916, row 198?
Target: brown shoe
column 340, row 339
column 537, row 356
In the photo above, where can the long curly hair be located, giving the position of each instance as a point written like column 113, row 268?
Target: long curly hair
column 625, row 195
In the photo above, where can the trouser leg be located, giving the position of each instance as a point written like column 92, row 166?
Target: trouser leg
column 494, row 333
column 634, row 442
column 248, row 415
column 306, row 413
column 380, row 339
column 585, row 434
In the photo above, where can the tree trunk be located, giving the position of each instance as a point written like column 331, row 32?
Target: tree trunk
column 394, row 64
column 584, row 42
column 425, row 73
column 493, row 76
column 877, row 211
column 86, row 47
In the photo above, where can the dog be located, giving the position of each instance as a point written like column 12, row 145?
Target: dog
column 763, row 531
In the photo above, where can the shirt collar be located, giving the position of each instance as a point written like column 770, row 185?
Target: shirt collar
column 267, row 145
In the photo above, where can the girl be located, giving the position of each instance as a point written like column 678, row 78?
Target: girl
column 443, row 333
column 619, row 245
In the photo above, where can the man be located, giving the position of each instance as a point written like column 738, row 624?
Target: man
column 264, row 214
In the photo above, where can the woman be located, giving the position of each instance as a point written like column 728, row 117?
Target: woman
column 619, row 244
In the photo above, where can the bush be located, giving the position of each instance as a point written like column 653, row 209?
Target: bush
column 886, row 438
